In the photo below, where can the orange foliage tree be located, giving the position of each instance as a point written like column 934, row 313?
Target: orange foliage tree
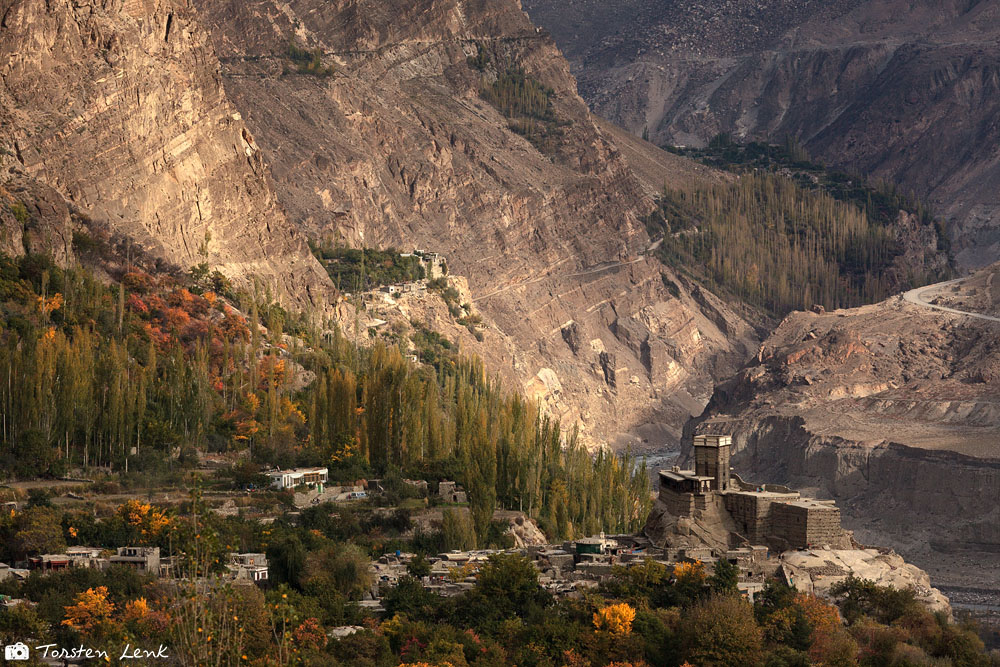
column 92, row 614
column 143, row 521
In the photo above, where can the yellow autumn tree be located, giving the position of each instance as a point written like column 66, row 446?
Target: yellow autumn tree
column 830, row 640
column 92, row 613
column 136, row 610
column 143, row 520
column 690, row 571
column 616, row 619
column 47, row 306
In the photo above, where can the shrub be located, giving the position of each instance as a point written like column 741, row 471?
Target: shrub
column 21, row 214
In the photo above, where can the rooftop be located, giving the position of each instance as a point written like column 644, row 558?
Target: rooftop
column 713, row 441
column 680, row 475
column 298, row 471
column 789, row 496
column 812, row 503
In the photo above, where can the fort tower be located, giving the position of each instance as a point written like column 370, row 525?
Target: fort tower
column 711, row 459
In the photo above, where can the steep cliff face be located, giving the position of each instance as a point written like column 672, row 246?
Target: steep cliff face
column 34, row 218
column 118, row 106
column 386, row 141
column 904, row 91
column 891, row 409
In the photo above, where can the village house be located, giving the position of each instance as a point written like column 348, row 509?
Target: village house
column 248, row 567
column 452, row 492
column 49, row 562
column 144, row 559
column 289, row 479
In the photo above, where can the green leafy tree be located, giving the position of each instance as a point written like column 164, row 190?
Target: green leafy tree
column 341, row 567
column 411, row 598
column 286, row 559
column 726, row 577
column 38, row 530
column 419, row 566
column 458, row 530
column 722, row 631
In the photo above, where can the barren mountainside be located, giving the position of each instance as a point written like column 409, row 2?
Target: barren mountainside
column 119, row 107
column 901, row 91
column 389, row 142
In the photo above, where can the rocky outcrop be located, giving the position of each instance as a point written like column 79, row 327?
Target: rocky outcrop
column 815, row 571
column 118, row 106
column 392, row 145
column 904, row 91
column 34, row 218
column 525, row 531
column 891, row 410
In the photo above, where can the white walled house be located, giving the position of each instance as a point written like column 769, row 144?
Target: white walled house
column 289, row 479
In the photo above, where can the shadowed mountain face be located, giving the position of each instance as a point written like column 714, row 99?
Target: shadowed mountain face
column 903, row 91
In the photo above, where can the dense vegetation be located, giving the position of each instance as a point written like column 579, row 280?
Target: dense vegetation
column 787, row 234
column 881, row 204
column 359, row 270
column 646, row 615
column 147, row 373
column 522, row 99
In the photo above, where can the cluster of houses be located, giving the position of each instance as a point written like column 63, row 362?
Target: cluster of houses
column 242, row 567
column 568, row 569
column 316, row 480
column 434, row 268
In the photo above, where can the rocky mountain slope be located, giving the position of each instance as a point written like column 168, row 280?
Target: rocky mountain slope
column 904, row 91
column 891, row 409
column 383, row 139
column 118, row 107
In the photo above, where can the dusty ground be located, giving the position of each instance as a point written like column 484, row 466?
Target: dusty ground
column 979, row 293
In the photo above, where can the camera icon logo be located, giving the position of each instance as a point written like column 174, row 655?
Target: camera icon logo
column 18, row 651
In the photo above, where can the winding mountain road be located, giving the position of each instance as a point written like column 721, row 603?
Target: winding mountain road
column 916, row 296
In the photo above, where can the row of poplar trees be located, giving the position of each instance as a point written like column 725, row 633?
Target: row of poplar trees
column 100, row 377
column 779, row 246
column 396, row 416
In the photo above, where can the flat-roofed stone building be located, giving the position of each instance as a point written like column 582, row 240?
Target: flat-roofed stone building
column 806, row 522
column 710, row 501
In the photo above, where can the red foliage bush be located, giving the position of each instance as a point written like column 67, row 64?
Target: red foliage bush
column 137, row 305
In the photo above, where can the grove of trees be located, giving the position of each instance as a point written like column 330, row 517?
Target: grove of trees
column 143, row 374
column 788, row 234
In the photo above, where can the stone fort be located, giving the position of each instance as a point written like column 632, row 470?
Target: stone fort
column 711, row 499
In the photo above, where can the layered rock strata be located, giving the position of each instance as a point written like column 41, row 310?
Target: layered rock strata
column 118, row 106
column 387, row 141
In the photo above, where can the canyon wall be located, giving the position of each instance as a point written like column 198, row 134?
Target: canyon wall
column 119, row 107
column 890, row 409
column 388, row 142
column 902, row 91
